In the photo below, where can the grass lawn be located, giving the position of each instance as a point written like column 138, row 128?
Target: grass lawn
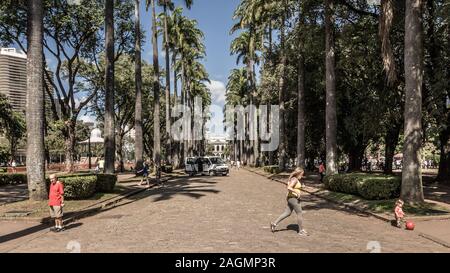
column 387, row 206
column 39, row 209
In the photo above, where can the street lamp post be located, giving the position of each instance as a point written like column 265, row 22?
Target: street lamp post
column 89, row 152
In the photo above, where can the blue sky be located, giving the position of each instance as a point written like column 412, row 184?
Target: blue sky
column 214, row 18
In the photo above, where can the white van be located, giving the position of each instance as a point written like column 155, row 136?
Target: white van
column 214, row 165
column 191, row 165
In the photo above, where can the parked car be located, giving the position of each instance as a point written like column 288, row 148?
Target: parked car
column 214, row 165
column 206, row 165
column 191, row 165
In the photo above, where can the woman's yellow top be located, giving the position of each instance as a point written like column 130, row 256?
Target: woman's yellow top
column 297, row 186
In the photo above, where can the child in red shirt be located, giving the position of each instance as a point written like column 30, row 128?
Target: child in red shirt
column 321, row 171
column 399, row 214
column 56, row 202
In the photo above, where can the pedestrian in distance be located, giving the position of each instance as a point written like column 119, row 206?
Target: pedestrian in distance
column 56, row 202
column 145, row 173
column 14, row 166
column 293, row 201
column 238, row 164
column 321, row 171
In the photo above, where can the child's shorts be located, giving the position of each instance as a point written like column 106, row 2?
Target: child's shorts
column 56, row 211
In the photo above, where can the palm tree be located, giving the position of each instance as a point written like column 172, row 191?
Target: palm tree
column 237, row 94
column 188, row 45
column 156, row 87
column 301, row 94
column 411, row 173
column 35, row 103
column 110, row 146
column 244, row 46
column 139, row 145
column 282, row 86
column 168, row 4
column 330, row 116
column 250, row 14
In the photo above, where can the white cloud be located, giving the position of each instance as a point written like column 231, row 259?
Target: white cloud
column 217, row 89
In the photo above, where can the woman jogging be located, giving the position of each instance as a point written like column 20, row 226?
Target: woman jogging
column 293, row 201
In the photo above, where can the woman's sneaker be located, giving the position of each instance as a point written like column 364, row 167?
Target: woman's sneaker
column 272, row 227
column 303, row 233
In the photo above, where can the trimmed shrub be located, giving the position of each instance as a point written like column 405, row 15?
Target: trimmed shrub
column 370, row 187
column 272, row 169
column 379, row 188
column 106, row 182
column 79, row 187
column 167, row 168
column 12, row 178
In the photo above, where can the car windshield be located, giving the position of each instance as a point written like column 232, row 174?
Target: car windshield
column 217, row 160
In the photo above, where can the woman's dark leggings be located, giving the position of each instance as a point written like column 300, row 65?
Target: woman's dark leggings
column 292, row 204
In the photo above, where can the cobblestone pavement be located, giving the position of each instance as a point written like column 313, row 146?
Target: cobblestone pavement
column 13, row 193
column 223, row 214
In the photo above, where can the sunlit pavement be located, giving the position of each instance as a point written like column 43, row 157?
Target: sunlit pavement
column 219, row 214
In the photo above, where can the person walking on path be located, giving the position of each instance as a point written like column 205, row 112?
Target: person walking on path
column 56, row 202
column 144, row 172
column 238, row 164
column 293, row 202
column 14, row 166
column 321, row 171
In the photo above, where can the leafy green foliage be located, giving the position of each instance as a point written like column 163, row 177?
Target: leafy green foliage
column 12, row 178
column 370, row 187
column 79, row 187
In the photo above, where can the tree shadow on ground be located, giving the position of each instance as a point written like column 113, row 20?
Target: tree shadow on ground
column 31, row 230
column 175, row 186
column 315, row 203
column 180, row 186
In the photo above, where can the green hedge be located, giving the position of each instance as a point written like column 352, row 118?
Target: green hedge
column 82, row 186
column 79, row 187
column 76, row 186
column 272, row 169
column 2, row 170
column 370, row 187
column 12, row 178
column 106, row 182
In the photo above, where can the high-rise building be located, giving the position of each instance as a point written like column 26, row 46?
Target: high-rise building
column 13, row 79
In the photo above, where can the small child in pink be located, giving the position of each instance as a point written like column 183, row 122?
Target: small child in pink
column 399, row 214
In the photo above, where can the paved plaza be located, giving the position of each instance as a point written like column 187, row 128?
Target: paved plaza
column 216, row 214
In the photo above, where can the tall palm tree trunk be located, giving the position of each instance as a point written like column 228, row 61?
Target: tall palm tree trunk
column 139, row 144
column 156, row 117
column 412, row 190
column 35, row 103
column 301, row 111
column 330, row 115
column 183, row 101
column 282, row 147
column 176, row 149
column 168, row 114
column 110, row 146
